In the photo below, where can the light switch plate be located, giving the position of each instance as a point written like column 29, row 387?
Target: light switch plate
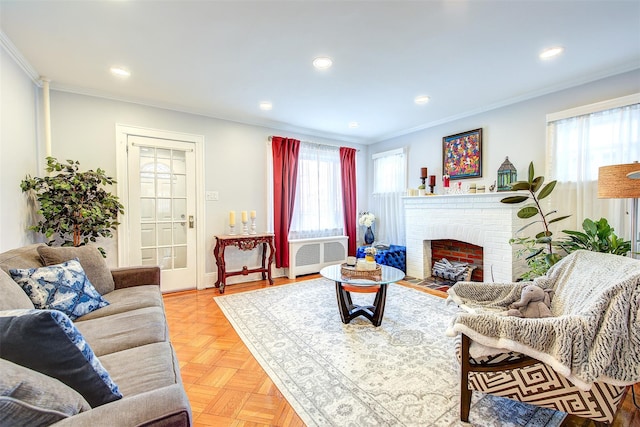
column 211, row 196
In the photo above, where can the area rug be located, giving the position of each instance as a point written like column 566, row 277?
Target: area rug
column 402, row 373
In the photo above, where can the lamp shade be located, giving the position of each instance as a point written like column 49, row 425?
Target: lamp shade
column 613, row 182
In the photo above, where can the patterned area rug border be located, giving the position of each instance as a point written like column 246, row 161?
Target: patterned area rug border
column 402, row 373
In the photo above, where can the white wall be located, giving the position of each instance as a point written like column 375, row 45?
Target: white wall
column 18, row 150
column 83, row 129
column 517, row 131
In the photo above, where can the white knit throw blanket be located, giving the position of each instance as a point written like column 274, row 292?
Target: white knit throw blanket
column 594, row 334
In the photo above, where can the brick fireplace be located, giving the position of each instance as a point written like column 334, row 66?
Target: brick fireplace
column 476, row 219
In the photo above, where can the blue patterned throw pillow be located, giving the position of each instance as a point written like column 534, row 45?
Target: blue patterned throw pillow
column 47, row 341
column 63, row 287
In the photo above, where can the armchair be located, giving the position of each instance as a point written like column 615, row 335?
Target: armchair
column 579, row 361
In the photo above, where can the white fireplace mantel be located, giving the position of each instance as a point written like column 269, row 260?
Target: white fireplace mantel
column 479, row 219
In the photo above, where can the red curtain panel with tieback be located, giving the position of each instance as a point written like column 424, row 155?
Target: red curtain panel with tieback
column 285, row 172
column 348, row 169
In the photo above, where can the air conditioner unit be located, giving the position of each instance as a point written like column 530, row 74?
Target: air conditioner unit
column 308, row 256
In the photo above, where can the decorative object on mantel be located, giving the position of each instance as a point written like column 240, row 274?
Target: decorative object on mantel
column 462, row 155
column 507, row 174
column 492, row 187
column 367, row 219
column 445, row 182
column 432, row 182
column 620, row 182
column 534, row 248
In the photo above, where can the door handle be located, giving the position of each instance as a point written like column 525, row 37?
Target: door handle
column 191, row 221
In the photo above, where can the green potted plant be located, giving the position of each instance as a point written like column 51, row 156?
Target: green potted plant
column 598, row 236
column 75, row 207
column 539, row 249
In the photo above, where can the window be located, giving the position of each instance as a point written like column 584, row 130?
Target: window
column 389, row 185
column 579, row 142
column 318, row 210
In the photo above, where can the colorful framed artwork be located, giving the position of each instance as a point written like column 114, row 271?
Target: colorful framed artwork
column 462, row 155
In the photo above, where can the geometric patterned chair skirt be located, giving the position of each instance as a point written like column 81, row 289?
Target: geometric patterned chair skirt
column 525, row 379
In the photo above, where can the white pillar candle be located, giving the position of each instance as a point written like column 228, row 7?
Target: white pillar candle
column 253, row 214
column 244, row 216
column 232, row 218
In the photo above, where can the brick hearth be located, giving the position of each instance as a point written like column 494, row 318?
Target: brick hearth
column 478, row 219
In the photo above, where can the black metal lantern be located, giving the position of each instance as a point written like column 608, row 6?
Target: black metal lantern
column 507, row 175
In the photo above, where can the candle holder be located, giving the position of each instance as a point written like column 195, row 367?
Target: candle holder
column 245, row 229
column 232, row 229
column 253, row 226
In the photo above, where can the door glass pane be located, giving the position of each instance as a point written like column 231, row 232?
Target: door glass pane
column 164, row 234
column 163, row 153
column 180, row 257
column 164, row 185
column 179, row 162
column 147, row 184
column 179, row 209
column 179, row 233
column 149, row 257
column 165, row 258
column 148, row 235
column 147, row 209
column 164, row 209
column 179, row 186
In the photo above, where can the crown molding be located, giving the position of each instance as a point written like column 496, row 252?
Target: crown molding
column 17, row 56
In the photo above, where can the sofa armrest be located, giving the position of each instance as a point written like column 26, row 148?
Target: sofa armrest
column 126, row 277
column 164, row 407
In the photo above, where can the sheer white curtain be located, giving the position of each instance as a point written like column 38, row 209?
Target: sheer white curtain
column 389, row 185
column 577, row 147
column 318, row 210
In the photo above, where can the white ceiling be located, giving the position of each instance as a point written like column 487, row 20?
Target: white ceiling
column 221, row 58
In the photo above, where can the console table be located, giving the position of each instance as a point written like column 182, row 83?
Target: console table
column 245, row 243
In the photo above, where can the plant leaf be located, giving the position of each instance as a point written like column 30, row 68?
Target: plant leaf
column 514, row 199
column 531, row 173
column 546, row 190
column 560, row 218
column 537, row 182
column 527, row 212
column 520, row 185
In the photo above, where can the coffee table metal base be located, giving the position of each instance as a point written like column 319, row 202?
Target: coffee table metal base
column 349, row 310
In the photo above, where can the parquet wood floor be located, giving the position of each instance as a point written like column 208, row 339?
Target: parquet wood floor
column 226, row 385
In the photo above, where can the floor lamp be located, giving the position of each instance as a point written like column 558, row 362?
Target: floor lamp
column 622, row 182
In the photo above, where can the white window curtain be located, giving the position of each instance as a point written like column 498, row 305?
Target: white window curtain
column 318, row 210
column 389, row 185
column 577, row 147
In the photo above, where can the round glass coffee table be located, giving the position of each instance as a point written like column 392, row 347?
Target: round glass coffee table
column 345, row 285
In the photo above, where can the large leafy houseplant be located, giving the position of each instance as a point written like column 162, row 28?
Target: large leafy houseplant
column 539, row 249
column 75, row 207
column 598, row 236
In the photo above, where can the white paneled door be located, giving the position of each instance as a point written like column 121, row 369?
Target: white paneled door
column 162, row 209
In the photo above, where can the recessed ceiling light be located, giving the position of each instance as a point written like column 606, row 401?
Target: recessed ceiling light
column 421, row 99
column 266, row 105
column 551, row 52
column 119, row 71
column 353, row 125
column 322, row 62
